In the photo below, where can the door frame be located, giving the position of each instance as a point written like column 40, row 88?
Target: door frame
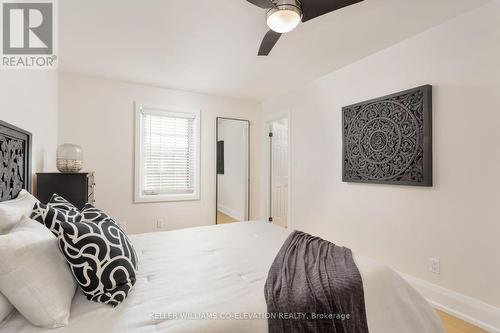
column 268, row 119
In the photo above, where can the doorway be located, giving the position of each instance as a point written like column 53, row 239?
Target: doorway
column 278, row 167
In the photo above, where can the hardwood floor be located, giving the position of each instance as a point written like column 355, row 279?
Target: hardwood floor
column 223, row 218
column 455, row 325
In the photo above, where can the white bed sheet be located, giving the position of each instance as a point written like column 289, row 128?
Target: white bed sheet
column 222, row 269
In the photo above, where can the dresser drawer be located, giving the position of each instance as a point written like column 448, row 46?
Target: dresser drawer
column 77, row 188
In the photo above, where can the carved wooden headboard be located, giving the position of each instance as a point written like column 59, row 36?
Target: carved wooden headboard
column 15, row 159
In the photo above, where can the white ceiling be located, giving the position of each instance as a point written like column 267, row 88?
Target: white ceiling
column 210, row 46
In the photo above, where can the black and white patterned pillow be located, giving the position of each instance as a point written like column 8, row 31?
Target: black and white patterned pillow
column 57, row 210
column 100, row 256
column 58, row 202
column 91, row 214
column 98, row 252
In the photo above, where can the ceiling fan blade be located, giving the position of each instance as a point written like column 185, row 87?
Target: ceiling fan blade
column 270, row 39
column 315, row 8
column 261, row 3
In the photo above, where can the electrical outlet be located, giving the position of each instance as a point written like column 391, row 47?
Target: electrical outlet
column 435, row 266
column 159, row 224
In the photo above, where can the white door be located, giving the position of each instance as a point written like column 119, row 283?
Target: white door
column 278, row 144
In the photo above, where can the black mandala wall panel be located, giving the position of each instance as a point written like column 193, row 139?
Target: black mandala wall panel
column 389, row 139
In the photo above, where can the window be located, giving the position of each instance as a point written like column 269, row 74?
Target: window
column 167, row 154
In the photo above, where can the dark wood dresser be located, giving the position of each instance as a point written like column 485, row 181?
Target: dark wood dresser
column 77, row 188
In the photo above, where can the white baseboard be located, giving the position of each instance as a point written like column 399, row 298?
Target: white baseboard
column 230, row 212
column 464, row 307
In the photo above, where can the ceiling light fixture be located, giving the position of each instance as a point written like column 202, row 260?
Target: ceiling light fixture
column 284, row 16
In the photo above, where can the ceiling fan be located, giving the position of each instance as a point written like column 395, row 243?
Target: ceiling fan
column 285, row 15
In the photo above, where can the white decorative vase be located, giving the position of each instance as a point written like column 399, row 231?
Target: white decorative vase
column 69, row 158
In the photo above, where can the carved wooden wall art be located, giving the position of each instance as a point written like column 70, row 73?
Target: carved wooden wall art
column 388, row 140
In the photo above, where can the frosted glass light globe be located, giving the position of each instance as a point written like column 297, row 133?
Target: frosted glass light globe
column 284, row 18
column 69, row 158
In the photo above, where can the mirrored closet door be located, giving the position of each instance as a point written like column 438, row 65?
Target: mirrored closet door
column 233, row 170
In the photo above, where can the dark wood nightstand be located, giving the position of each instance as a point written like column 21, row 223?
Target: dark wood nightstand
column 77, row 188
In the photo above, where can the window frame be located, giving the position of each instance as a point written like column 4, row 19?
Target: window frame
column 139, row 197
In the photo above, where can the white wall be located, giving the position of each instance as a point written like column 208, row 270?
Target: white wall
column 98, row 114
column 28, row 99
column 458, row 219
column 232, row 185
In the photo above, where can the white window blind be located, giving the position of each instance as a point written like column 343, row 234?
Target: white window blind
column 168, row 153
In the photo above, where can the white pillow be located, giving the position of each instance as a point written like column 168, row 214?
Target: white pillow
column 11, row 211
column 34, row 275
column 5, row 308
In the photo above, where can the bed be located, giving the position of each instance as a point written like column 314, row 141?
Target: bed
column 211, row 279
column 214, row 276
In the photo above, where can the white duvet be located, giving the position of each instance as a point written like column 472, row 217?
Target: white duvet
column 211, row 279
